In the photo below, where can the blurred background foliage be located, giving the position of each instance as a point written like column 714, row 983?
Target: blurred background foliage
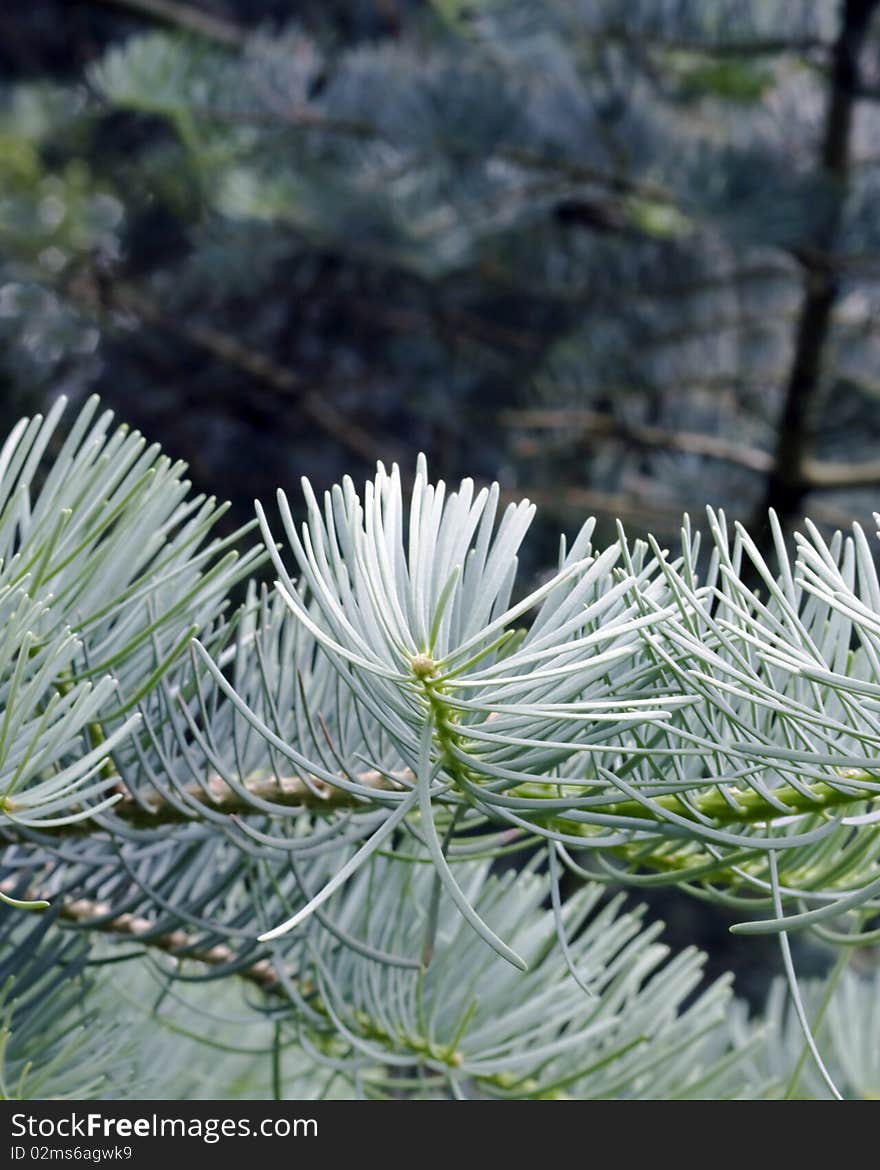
column 621, row 257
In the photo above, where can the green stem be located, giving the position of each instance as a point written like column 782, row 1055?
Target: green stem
column 292, row 792
column 450, row 1056
column 751, row 807
column 748, row 808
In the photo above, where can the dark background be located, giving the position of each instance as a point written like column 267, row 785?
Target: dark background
column 623, row 258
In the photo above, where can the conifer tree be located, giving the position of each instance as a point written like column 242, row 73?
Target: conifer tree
column 356, row 768
column 312, row 795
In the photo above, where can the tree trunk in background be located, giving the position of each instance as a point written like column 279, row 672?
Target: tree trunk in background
column 787, row 484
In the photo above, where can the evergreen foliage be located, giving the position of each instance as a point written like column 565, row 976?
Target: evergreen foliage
column 626, row 248
column 312, row 795
column 377, row 827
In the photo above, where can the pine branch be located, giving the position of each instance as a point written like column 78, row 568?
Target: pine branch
column 292, row 792
column 630, row 507
column 89, row 914
column 307, row 118
column 185, row 17
column 817, row 473
column 313, row 403
column 592, row 423
column 473, row 326
column 230, row 352
column 836, row 476
column 728, row 48
column 154, row 811
column 581, row 173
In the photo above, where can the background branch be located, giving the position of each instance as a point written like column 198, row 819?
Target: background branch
column 589, row 423
column 221, row 347
column 186, row 17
